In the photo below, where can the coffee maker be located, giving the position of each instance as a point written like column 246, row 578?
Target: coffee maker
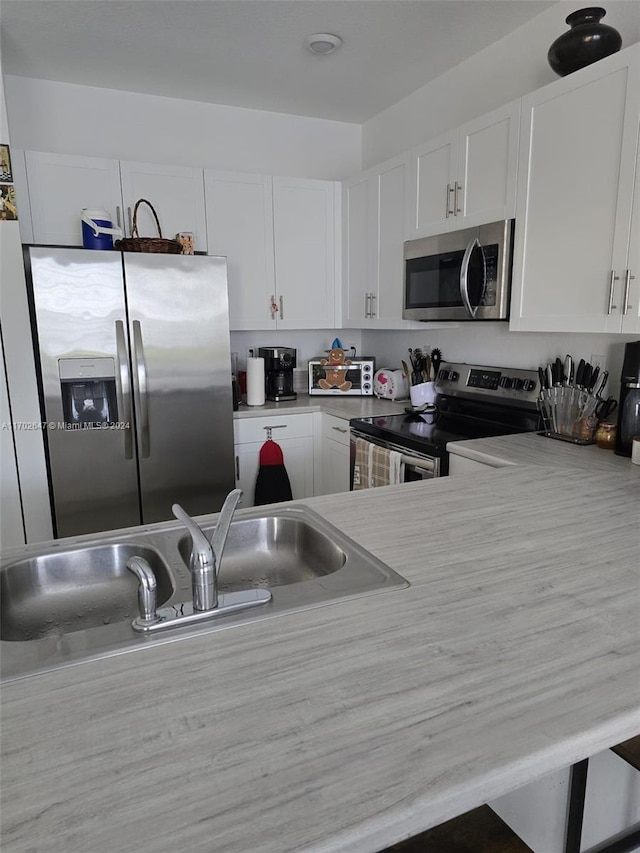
column 279, row 363
column 629, row 406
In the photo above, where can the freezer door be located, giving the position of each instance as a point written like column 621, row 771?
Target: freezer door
column 181, row 366
column 81, row 338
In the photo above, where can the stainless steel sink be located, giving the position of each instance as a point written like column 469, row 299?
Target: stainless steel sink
column 74, row 590
column 65, row 605
column 274, row 550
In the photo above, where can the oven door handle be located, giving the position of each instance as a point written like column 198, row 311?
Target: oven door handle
column 464, row 277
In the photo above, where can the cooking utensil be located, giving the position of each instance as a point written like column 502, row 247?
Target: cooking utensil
column 605, row 407
column 594, row 378
column 407, row 372
column 586, row 379
column 580, row 374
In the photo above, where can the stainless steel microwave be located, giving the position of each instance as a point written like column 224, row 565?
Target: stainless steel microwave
column 460, row 275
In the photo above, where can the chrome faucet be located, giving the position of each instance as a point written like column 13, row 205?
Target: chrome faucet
column 204, row 563
column 206, row 556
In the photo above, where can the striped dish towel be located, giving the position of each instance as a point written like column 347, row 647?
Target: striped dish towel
column 375, row 466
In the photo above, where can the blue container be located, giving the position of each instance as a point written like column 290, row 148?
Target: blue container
column 97, row 231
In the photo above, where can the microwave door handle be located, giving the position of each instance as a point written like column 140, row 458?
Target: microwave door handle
column 464, row 277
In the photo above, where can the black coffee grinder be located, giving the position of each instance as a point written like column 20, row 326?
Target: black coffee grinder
column 629, row 407
column 279, row 363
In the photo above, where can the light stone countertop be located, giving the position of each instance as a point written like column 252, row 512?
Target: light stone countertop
column 514, row 652
column 333, row 404
column 533, row 449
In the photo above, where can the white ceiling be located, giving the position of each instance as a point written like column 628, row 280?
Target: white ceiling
column 249, row 53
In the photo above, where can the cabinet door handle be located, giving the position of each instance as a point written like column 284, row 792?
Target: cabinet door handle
column 237, row 469
column 367, row 297
column 281, row 301
column 627, row 284
column 118, row 219
column 340, row 429
column 373, row 305
column 612, row 281
column 449, row 210
column 130, row 222
column 458, row 188
column 273, row 306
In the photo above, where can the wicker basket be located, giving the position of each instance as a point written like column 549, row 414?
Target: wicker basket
column 157, row 244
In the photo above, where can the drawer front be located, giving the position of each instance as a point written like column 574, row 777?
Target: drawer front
column 282, row 426
column 336, row 429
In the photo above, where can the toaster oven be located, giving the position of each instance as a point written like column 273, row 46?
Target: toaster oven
column 352, row 377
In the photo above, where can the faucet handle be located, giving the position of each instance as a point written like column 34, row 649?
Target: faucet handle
column 200, row 543
column 147, row 586
column 221, row 532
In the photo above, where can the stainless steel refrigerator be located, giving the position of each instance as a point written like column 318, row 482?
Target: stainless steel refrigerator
column 135, row 381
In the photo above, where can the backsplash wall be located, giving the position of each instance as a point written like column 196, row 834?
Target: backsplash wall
column 483, row 343
column 493, row 344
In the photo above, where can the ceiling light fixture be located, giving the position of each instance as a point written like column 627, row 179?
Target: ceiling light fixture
column 322, row 43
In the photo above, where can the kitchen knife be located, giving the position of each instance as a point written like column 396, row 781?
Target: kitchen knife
column 568, row 370
column 594, row 378
column 602, row 381
column 580, row 373
column 557, row 372
column 549, row 376
column 586, row 376
column 542, row 376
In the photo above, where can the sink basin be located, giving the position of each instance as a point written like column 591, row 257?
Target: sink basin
column 270, row 551
column 74, row 590
column 62, row 606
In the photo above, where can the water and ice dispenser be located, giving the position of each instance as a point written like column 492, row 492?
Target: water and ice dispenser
column 88, row 387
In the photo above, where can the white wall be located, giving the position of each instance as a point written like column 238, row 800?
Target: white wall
column 508, row 69
column 70, row 119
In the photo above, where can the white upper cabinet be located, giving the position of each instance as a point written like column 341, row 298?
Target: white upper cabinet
column 240, row 226
column 374, row 217
column 304, row 222
column 467, row 176
column 279, row 237
column 575, row 248
column 61, row 185
column 177, row 195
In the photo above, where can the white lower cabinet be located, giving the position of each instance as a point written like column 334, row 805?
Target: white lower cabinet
column 293, row 433
column 335, row 455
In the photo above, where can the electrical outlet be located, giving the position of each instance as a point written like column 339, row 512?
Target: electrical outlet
column 599, row 361
column 252, row 352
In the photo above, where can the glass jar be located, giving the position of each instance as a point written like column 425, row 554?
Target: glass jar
column 606, row 436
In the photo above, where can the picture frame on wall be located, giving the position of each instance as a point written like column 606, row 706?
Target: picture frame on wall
column 8, row 207
column 6, row 172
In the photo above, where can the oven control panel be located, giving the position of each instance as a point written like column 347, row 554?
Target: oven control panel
column 500, row 383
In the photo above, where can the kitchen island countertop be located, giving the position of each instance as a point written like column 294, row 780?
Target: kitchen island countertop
column 530, row 448
column 514, row 652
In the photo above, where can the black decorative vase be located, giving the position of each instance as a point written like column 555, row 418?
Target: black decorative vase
column 587, row 41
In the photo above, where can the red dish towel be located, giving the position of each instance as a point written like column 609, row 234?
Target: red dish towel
column 272, row 483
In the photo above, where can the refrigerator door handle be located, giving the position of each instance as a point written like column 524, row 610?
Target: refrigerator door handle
column 140, row 389
column 123, row 389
